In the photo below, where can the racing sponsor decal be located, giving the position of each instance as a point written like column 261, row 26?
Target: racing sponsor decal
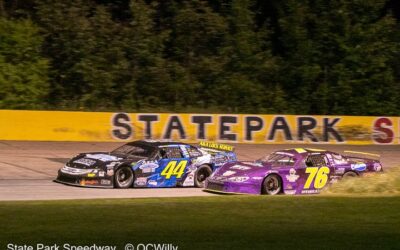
column 215, row 145
column 105, row 182
column 75, row 171
column 102, row 157
column 219, row 178
column 219, row 159
column 152, row 183
column 141, row 181
column 238, row 178
column 240, row 167
column 377, row 167
column 110, row 172
column 291, row 192
column 310, row 191
column 101, row 174
column 85, row 182
column 338, row 159
column 148, row 166
column 359, row 166
column 292, row 177
column 85, row 161
column 91, row 175
column 228, row 173
column 189, row 180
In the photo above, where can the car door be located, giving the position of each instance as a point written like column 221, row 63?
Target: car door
column 173, row 164
column 316, row 173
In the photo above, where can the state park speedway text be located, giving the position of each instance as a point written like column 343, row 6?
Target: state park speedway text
column 67, row 246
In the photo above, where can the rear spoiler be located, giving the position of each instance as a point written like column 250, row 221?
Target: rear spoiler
column 216, row 146
column 364, row 154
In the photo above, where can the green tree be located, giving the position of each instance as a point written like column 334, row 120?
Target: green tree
column 150, row 85
column 105, row 69
column 66, row 27
column 23, row 71
column 197, row 35
column 339, row 57
column 250, row 83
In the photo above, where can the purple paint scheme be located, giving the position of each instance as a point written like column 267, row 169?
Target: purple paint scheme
column 291, row 171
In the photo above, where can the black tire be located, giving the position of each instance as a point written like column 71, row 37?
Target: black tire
column 202, row 173
column 350, row 174
column 272, row 185
column 123, row 177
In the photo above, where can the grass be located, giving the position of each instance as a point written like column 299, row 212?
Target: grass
column 387, row 183
column 222, row 222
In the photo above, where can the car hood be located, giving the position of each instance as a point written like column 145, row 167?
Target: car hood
column 99, row 160
column 239, row 169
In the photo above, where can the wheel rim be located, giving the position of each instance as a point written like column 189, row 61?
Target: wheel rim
column 124, row 176
column 349, row 175
column 272, row 185
column 202, row 175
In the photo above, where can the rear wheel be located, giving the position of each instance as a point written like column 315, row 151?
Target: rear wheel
column 272, row 185
column 123, row 177
column 202, row 173
column 349, row 174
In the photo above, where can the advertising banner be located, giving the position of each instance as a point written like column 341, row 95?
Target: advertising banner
column 191, row 128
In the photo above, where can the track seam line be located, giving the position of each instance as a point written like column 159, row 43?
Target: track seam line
column 26, row 168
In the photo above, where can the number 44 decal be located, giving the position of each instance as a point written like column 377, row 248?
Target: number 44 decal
column 319, row 175
column 172, row 169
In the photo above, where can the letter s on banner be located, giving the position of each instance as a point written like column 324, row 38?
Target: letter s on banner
column 122, row 128
column 383, row 131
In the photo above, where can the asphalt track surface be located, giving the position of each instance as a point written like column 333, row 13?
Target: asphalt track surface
column 27, row 169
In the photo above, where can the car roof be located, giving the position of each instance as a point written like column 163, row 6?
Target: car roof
column 154, row 143
column 296, row 151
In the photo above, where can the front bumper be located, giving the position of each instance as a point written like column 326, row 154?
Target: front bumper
column 84, row 180
column 227, row 187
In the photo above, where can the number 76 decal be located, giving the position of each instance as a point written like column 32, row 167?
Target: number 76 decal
column 319, row 175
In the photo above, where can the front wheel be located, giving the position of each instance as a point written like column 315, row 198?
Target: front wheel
column 202, row 173
column 123, row 177
column 272, row 185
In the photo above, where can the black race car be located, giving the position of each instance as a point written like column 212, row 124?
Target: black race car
column 147, row 164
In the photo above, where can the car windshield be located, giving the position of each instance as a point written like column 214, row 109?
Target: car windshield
column 134, row 150
column 278, row 159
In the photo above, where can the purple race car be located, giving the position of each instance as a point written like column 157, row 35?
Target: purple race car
column 291, row 171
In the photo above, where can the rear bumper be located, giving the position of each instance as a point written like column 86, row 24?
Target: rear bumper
column 84, row 181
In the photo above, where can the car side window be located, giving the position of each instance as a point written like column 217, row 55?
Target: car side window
column 171, row 152
column 318, row 160
column 194, row 152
